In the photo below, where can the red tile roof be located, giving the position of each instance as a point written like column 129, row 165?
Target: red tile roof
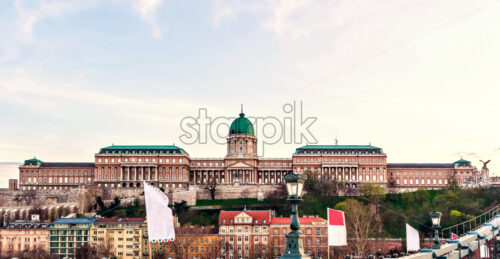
column 118, row 220
column 303, row 220
column 259, row 215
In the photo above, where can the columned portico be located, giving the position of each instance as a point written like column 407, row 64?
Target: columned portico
column 133, row 175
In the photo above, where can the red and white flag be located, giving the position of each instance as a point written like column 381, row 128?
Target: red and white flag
column 337, row 233
column 453, row 236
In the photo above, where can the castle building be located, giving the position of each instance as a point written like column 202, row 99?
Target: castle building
column 36, row 174
column 171, row 167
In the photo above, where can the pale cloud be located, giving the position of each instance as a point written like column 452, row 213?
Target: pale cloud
column 24, row 89
column 147, row 10
column 8, row 51
column 29, row 13
column 225, row 11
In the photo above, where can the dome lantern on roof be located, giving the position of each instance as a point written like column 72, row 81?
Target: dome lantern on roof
column 241, row 125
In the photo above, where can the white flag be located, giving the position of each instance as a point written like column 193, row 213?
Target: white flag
column 337, row 233
column 484, row 252
column 159, row 215
column 412, row 239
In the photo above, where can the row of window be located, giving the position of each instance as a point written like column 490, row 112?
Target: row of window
column 151, row 170
column 339, row 160
column 166, row 177
column 359, row 170
column 422, row 181
column 331, row 152
column 55, row 173
column 56, row 180
column 119, row 160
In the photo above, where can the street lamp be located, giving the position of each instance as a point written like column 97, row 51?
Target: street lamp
column 295, row 242
column 436, row 220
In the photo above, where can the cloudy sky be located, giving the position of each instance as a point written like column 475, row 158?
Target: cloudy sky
column 418, row 78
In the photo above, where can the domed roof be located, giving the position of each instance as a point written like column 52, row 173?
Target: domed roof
column 241, row 125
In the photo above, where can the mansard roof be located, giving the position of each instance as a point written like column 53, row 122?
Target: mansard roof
column 74, row 221
column 263, row 217
column 302, row 220
column 142, row 149
column 41, row 164
column 420, row 165
column 24, row 224
column 67, row 164
column 120, row 220
column 339, row 148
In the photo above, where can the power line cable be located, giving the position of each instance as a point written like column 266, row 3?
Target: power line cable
column 400, row 44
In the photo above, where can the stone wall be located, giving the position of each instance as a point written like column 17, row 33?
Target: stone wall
column 84, row 196
column 235, row 192
column 43, row 197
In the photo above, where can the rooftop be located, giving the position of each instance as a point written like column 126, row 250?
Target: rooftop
column 420, row 165
column 25, row 224
column 259, row 215
column 120, row 220
column 67, row 164
column 338, row 148
column 142, row 148
column 302, row 220
column 40, row 163
column 74, row 221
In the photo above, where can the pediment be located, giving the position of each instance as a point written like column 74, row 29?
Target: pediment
column 240, row 165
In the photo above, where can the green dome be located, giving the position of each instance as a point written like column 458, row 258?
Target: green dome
column 241, row 126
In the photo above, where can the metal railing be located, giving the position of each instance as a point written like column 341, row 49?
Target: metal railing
column 463, row 228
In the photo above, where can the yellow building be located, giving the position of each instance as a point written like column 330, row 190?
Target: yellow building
column 120, row 237
column 190, row 242
column 24, row 236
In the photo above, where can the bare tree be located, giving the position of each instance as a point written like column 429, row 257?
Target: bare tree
column 85, row 252
column 212, row 187
column 26, row 196
column 215, row 249
column 374, row 193
column 360, row 223
column 245, row 194
column 269, row 253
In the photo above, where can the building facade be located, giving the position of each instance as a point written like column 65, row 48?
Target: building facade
column 24, row 236
column 68, row 235
column 244, row 232
column 313, row 228
column 119, row 237
column 171, row 167
column 432, row 176
column 36, row 174
column 258, row 234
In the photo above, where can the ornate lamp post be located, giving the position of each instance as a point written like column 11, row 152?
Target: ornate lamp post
column 295, row 242
column 436, row 221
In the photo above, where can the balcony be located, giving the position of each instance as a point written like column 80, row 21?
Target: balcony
column 137, row 163
column 339, row 163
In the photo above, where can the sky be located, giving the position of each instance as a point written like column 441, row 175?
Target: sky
column 418, row 78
